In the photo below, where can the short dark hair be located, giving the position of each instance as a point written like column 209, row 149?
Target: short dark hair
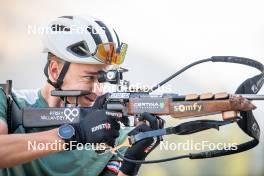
column 52, row 56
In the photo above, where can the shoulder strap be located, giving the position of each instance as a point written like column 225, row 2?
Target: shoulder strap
column 7, row 88
column 14, row 116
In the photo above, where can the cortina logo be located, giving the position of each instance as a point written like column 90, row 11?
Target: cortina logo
column 149, row 105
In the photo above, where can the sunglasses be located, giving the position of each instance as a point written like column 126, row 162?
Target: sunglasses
column 106, row 53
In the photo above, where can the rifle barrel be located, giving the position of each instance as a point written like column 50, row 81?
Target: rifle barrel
column 252, row 96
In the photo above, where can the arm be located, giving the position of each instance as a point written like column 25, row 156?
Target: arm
column 18, row 147
column 15, row 150
column 14, row 147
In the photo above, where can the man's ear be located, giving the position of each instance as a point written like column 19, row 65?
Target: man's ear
column 54, row 70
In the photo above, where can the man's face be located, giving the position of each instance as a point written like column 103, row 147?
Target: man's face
column 83, row 77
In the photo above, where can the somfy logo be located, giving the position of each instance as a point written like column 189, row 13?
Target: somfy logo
column 70, row 114
column 195, row 107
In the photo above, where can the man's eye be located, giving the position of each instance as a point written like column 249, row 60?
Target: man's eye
column 90, row 78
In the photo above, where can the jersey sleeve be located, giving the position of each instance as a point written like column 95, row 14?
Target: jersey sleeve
column 3, row 106
column 123, row 135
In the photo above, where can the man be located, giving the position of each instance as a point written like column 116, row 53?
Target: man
column 74, row 58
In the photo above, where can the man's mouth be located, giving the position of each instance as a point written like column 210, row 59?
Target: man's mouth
column 91, row 97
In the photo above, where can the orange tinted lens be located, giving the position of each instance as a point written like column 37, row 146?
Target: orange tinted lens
column 105, row 52
column 102, row 52
column 108, row 53
column 118, row 58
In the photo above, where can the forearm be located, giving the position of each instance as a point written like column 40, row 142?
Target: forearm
column 15, row 148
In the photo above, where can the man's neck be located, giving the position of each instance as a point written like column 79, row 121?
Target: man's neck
column 51, row 100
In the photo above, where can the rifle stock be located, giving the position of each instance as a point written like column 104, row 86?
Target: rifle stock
column 192, row 105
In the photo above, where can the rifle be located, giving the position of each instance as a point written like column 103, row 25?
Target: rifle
column 233, row 107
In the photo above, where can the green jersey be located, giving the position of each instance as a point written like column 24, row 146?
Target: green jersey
column 66, row 163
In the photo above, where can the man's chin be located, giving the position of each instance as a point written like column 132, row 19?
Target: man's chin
column 91, row 97
column 86, row 102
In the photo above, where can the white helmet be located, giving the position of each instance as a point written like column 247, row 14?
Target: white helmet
column 66, row 36
column 81, row 39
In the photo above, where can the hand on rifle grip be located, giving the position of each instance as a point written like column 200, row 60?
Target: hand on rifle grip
column 155, row 122
column 100, row 102
column 140, row 149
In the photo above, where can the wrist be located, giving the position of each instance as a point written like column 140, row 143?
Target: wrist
column 66, row 132
column 130, row 168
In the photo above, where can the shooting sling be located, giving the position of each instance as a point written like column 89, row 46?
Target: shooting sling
column 246, row 121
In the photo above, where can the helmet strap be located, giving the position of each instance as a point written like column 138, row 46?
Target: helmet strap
column 57, row 85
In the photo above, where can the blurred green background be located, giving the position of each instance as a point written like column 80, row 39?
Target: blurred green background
column 163, row 36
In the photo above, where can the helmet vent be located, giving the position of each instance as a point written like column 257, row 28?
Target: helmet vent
column 75, row 49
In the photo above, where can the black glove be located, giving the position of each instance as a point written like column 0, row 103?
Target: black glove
column 100, row 102
column 96, row 127
column 141, row 149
